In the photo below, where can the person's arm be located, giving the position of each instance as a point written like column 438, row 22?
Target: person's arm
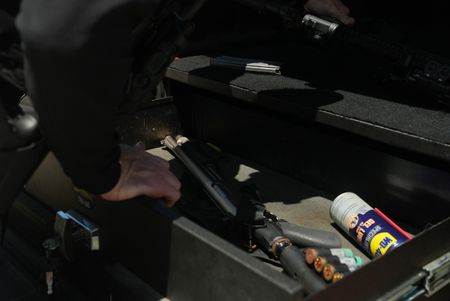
column 8, row 33
column 77, row 61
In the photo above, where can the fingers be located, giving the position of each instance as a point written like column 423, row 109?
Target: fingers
column 330, row 8
column 166, row 188
column 161, row 183
column 171, row 179
column 341, row 13
column 345, row 19
column 341, row 7
column 170, row 200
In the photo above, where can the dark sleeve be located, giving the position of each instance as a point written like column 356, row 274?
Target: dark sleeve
column 7, row 30
column 77, row 60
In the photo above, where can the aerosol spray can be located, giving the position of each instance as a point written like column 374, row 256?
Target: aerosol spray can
column 376, row 233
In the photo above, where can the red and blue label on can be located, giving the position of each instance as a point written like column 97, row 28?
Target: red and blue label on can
column 375, row 234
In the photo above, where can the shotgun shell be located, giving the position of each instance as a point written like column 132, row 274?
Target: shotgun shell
column 338, row 276
column 312, row 253
column 330, row 269
column 320, row 261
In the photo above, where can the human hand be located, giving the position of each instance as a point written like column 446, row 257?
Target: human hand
column 144, row 174
column 330, row 8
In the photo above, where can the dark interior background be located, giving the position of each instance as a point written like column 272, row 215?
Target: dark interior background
column 420, row 24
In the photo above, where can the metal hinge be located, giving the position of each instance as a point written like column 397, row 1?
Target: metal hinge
column 433, row 277
column 438, row 274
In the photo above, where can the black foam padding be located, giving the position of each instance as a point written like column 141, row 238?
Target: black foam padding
column 319, row 87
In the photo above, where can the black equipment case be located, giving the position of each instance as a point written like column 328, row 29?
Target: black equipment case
column 301, row 157
column 321, row 128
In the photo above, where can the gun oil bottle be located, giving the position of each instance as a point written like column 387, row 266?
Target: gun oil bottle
column 368, row 226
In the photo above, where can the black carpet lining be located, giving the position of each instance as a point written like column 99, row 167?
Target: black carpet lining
column 347, row 92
